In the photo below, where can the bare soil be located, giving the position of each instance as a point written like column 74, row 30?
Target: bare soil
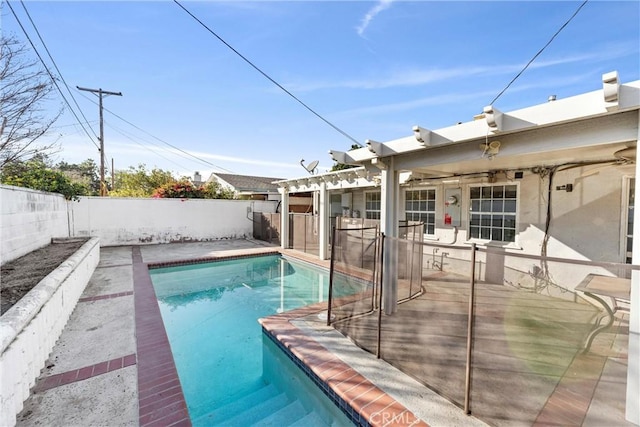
column 19, row 276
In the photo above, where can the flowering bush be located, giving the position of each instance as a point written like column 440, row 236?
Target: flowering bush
column 184, row 189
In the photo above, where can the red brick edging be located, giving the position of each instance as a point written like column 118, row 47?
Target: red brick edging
column 160, row 398
column 107, row 296
column 84, row 373
column 362, row 401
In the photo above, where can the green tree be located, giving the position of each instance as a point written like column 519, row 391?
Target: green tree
column 213, row 190
column 85, row 173
column 139, row 182
column 38, row 175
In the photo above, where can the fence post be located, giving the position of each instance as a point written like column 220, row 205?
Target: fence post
column 472, row 287
column 362, row 246
column 379, row 338
column 331, row 267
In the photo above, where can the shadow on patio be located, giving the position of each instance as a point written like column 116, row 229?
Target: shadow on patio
column 528, row 363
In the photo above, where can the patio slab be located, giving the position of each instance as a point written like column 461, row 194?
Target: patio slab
column 94, row 374
column 105, row 400
column 526, row 351
column 104, row 327
column 109, row 279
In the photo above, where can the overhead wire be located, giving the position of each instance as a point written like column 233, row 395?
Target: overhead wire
column 56, row 67
column 131, row 138
column 70, row 125
column 539, row 52
column 160, row 140
column 244, row 58
column 53, row 79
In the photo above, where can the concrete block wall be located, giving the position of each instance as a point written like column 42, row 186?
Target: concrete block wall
column 131, row 221
column 30, row 219
column 30, row 328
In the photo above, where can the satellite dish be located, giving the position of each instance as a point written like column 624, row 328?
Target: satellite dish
column 311, row 167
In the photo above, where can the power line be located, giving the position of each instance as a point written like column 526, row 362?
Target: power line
column 164, row 142
column 56, row 67
column 71, row 124
column 49, row 72
column 129, row 136
column 539, row 52
column 266, row 75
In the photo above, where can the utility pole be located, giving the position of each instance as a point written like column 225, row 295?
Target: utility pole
column 100, row 93
column 113, row 175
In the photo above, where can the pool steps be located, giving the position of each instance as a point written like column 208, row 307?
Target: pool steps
column 266, row 406
column 237, row 406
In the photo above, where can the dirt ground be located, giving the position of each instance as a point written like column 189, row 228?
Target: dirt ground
column 17, row 277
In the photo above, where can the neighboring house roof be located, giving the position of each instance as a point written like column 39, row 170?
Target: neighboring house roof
column 246, row 183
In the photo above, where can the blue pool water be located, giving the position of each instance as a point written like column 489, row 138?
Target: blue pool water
column 229, row 374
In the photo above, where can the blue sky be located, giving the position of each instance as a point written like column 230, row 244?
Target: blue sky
column 373, row 69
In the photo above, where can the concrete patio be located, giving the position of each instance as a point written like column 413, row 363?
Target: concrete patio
column 92, row 376
column 527, row 362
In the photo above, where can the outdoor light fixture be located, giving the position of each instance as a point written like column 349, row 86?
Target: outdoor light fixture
column 490, row 149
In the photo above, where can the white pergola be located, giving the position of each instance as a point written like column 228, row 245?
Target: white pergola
column 590, row 127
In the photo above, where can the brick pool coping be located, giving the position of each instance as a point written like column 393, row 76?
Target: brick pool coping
column 161, row 400
column 361, row 400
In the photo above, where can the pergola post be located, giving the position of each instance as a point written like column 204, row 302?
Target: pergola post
column 323, row 221
column 284, row 218
column 633, row 367
column 389, row 226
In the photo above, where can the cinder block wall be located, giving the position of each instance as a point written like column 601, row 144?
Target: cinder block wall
column 29, row 219
column 132, row 221
column 31, row 328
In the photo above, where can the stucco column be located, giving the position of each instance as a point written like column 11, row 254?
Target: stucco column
column 389, row 226
column 323, row 220
column 284, row 218
column 633, row 367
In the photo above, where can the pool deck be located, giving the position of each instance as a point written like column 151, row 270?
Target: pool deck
column 112, row 364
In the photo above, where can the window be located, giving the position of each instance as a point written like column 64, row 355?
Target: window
column 372, row 205
column 420, row 205
column 493, row 212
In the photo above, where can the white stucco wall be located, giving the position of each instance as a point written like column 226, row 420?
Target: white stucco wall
column 29, row 219
column 30, row 329
column 587, row 223
column 126, row 221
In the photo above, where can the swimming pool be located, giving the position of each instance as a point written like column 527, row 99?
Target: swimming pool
column 229, row 375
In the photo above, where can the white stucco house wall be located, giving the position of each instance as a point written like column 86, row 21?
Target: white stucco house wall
column 557, row 179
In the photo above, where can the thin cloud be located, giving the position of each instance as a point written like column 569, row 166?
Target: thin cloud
column 408, row 77
column 77, row 150
column 457, row 98
column 412, row 104
column 372, row 13
column 417, row 77
column 245, row 161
